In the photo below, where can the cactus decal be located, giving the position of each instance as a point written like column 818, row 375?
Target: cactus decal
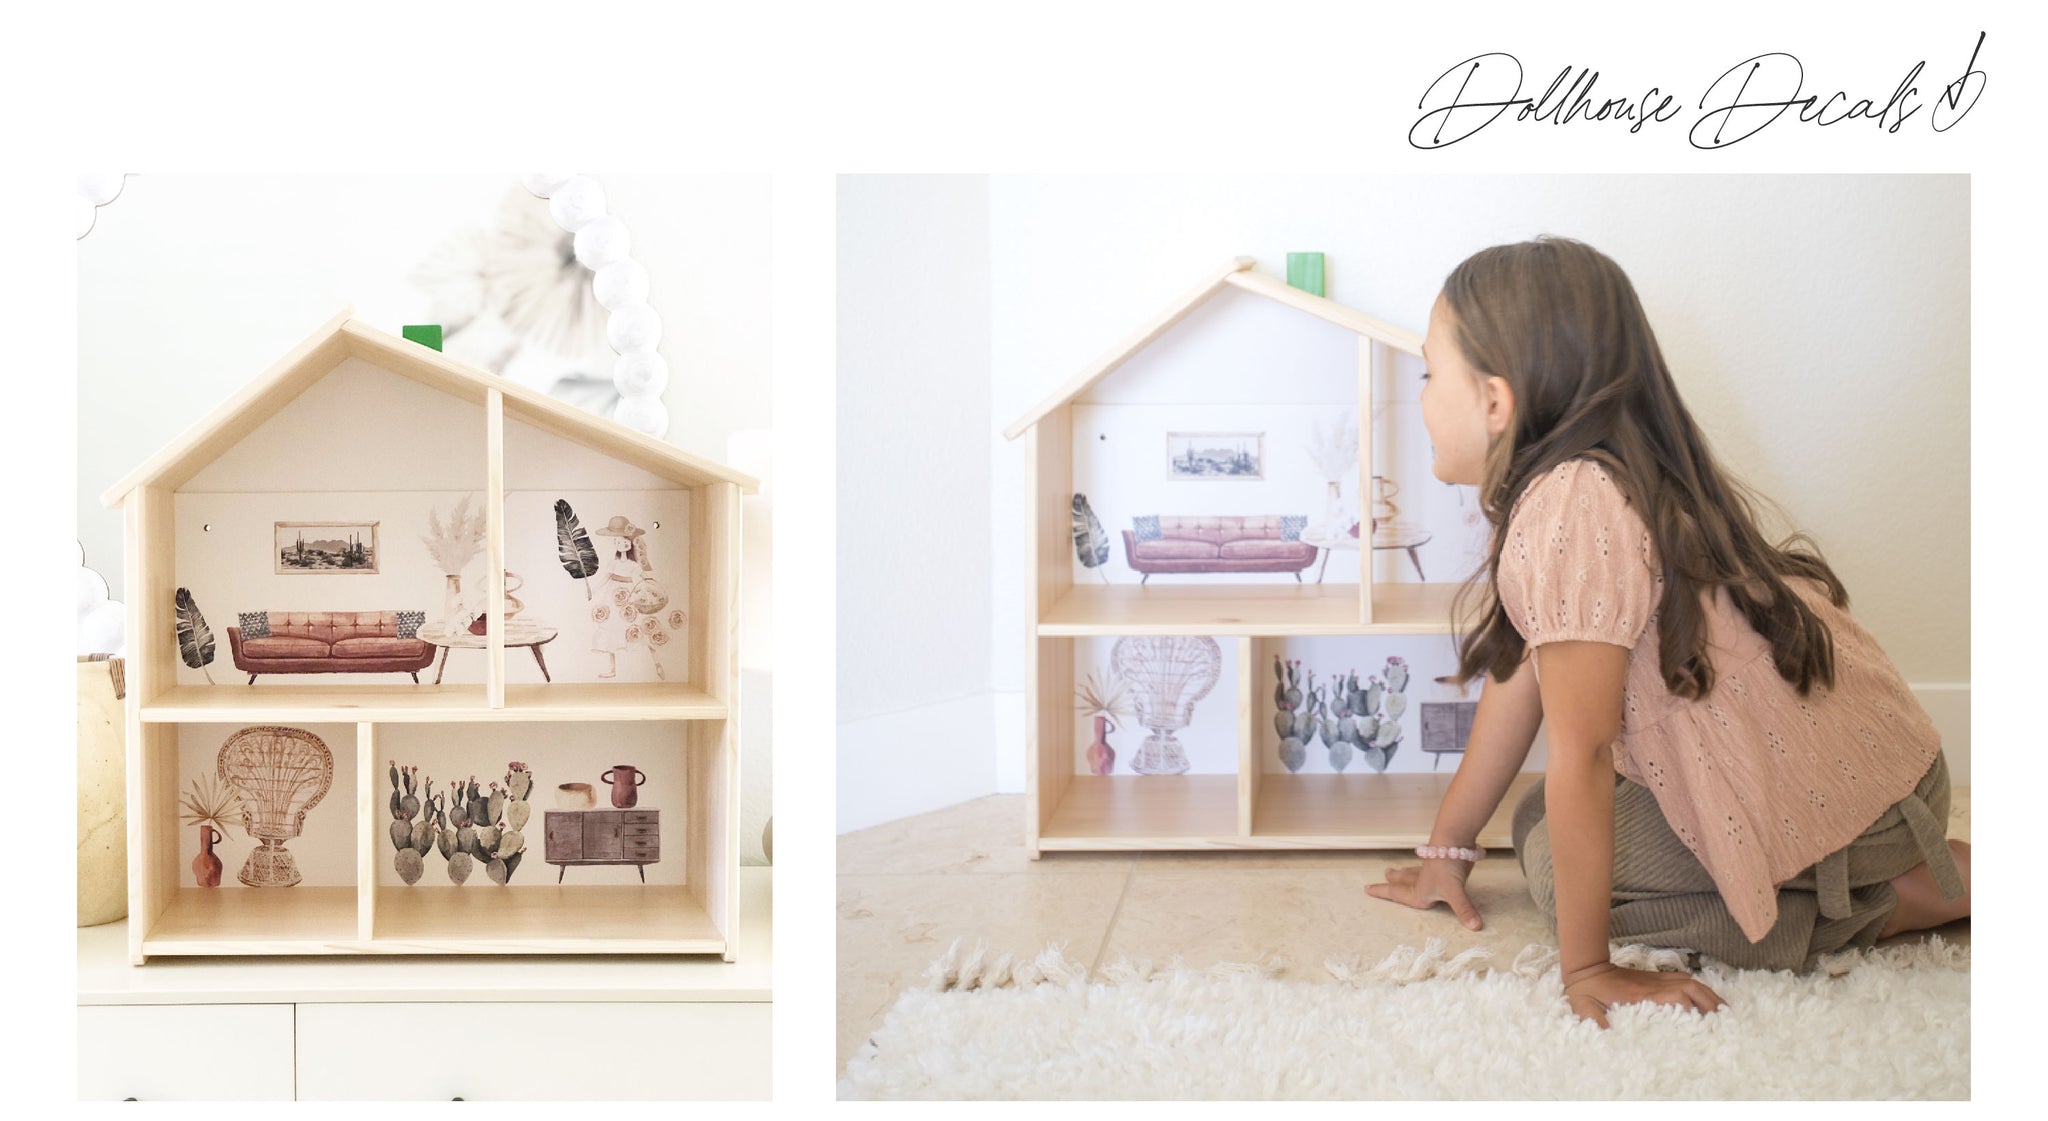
column 405, row 805
column 1352, row 720
column 1295, row 730
column 467, row 823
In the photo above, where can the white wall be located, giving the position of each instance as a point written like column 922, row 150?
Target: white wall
column 190, row 286
column 1817, row 325
column 916, row 729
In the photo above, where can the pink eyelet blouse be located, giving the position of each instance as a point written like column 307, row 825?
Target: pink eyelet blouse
column 1757, row 781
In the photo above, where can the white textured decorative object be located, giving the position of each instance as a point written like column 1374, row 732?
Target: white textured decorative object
column 101, row 189
column 602, row 243
column 541, row 184
column 576, row 203
column 95, row 191
column 621, row 284
column 642, row 414
column 92, row 591
column 102, row 629
column 632, row 329
column 640, row 374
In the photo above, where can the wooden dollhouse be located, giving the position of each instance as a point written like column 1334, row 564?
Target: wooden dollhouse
column 365, row 429
column 1248, row 809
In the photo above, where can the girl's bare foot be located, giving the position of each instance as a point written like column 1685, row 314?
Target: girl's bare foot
column 1921, row 906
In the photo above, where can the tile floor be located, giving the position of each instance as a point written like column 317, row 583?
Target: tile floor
column 909, row 888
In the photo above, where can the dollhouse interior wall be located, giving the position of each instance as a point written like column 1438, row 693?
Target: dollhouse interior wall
column 541, row 469
column 324, row 850
column 555, row 753
column 1430, row 726
column 360, row 445
column 364, row 445
column 1210, row 739
column 1249, row 372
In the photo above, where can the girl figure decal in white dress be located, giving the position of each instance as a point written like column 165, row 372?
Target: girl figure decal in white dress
column 632, row 608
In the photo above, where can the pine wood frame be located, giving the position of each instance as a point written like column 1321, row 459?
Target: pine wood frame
column 167, row 919
column 1248, row 810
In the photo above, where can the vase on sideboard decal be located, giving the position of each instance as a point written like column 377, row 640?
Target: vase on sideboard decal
column 625, row 782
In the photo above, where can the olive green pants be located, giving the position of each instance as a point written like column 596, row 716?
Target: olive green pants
column 1664, row 897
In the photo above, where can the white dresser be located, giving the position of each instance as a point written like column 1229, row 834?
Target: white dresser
column 428, row 1028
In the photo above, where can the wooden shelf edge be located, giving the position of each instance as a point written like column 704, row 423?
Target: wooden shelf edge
column 397, row 946
column 191, row 708
column 1248, row 610
column 1147, row 819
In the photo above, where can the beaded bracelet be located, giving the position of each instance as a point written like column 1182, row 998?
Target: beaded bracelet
column 1450, row 852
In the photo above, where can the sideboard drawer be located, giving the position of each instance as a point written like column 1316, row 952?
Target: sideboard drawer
column 185, row 1052
column 556, row 1052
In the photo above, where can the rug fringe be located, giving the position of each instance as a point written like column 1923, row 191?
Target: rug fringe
column 963, row 969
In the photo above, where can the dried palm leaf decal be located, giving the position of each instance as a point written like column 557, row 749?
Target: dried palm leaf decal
column 195, row 641
column 579, row 559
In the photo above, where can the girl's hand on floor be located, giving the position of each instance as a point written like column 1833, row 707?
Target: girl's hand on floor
column 1591, row 992
column 1436, row 881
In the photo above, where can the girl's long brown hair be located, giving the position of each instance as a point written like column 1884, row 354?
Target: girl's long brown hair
column 1560, row 321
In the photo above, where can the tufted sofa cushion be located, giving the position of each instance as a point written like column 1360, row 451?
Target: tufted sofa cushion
column 1217, row 529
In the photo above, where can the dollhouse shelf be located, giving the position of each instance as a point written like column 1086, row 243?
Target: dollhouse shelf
column 535, row 919
column 438, row 703
column 542, row 918
column 1065, row 606
column 299, row 920
column 1365, row 811
column 1247, row 609
column 1350, row 811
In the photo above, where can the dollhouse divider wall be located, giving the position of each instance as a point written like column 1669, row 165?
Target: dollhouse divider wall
column 695, row 708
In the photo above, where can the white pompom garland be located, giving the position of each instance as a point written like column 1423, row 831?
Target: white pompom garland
column 620, row 284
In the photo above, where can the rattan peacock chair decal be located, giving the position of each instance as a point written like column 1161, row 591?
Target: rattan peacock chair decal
column 1169, row 673
column 281, row 773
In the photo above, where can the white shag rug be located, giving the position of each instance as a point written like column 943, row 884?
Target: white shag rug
column 1880, row 1024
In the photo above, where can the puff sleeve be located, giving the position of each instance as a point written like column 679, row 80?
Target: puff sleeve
column 1578, row 563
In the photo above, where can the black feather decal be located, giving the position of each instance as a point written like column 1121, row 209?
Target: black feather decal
column 195, row 639
column 579, row 558
column 1091, row 542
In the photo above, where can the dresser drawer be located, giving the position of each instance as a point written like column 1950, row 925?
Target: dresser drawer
column 563, row 1052
column 173, row 1052
column 641, row 817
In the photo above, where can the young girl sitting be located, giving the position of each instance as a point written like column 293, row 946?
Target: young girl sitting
column 1735, row 767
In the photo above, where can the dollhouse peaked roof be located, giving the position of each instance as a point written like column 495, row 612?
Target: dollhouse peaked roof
column 345, row 337
column 1237, row 274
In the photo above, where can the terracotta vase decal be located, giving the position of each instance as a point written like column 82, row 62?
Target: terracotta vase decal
column 625, row 782
column 206, row 867
column 1101, row 756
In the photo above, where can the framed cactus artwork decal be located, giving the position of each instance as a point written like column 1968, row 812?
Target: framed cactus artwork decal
column 324, row 547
